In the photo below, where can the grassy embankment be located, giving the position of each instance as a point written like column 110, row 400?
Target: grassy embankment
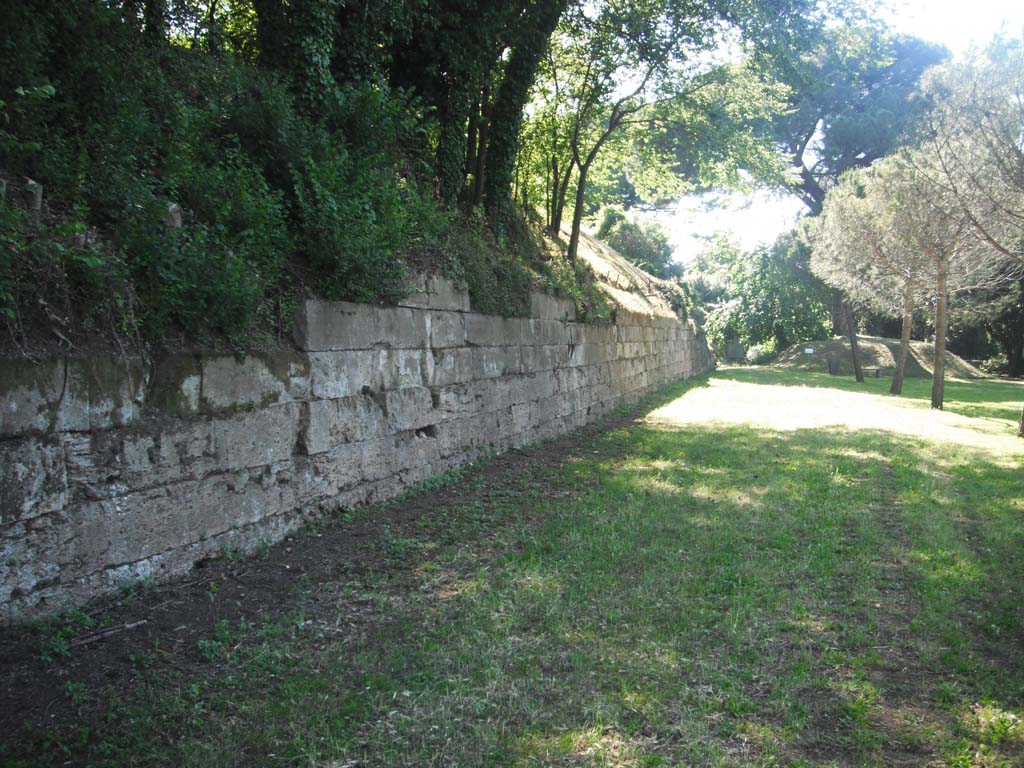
column 772, row 568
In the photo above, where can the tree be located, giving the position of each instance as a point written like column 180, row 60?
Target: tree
column 973, row 135
column 910, row 212
column 854, row 97
column 637, row 76
column 643, row 243
column 765, row 297
column 857, row 253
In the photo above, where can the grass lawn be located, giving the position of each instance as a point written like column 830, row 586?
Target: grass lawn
column 765, row 568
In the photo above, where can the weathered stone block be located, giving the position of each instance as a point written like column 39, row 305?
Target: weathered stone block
column 341, row 467
column 347, row 420
column 176, row 384
column 413, row 449
column 253, row 381
column 258, row 438
column 490, row 331
column 409, row 409
column 534, row 386
column 33, row 478
column 451, row 366
column 435, row 292
column 340, row 325
column 101, row 392
column 344, row 373
column 30, row 394
column 446, row 329
column 405, row 368
column 546, row 332
column 544, row 306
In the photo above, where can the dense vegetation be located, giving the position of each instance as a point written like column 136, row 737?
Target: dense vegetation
column 187, row 166
column 200, row 161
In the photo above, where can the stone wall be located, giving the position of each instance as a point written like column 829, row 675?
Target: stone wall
column 113, row 470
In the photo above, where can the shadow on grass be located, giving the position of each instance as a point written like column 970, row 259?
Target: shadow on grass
column 706, row 594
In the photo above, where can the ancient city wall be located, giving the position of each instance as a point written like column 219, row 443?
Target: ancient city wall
column 113, row 470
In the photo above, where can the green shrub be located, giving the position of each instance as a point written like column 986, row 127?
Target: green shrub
column 213, row 273
column 643, row 243
column 497, row 282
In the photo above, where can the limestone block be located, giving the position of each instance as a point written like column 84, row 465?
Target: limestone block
column 446, row 329
column 533, row 386
column 491, row 331
column 253, row 381
column 413, row 449
column 451, row 366
column 341, row 467
column 488, row 362
column 346, row 420
column 100, row 392
column 544, row 306
column 404, row 368
column 344, row 373
column 460, row 400
column 520, row 415
column 186, row 451
column 176, row 384
column 547, row 332
column 545, row 358
column 340, row 325
column 409, row 409
column 436, row 292
column 30, row 394
column 139, row 525
column 258, row 438
column 378, row 459
column 26, row 564
column 450, row 437
column 33, row 478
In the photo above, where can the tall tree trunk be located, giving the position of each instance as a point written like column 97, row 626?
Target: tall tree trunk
column 901, row 362
column 553, row 195
column 563, row 189
column 838, row 313
column 939, row 361
column 471, row 138
column 451, row 145
column 155, row 22
column 480, row 168
column 851, row 331
column 507, row 113
column 271, row 33
column 577, row 213
column 1015, row 356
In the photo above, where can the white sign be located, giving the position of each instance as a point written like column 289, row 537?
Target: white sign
column 808, row 350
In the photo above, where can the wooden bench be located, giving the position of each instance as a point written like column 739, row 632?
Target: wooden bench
column 873, row 373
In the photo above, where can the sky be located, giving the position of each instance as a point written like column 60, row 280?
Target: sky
column 760, row 217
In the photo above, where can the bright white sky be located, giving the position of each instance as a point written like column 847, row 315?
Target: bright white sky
column 762, row 216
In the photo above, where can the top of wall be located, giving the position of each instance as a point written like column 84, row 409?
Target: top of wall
column 623, row 282
column 97, row 392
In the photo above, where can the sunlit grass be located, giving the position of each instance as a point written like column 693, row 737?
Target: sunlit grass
column 769, row 569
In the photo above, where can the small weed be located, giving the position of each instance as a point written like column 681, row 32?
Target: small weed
column 55, row 636
column 130, row 590
column 77, row 693
column 210, row 649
